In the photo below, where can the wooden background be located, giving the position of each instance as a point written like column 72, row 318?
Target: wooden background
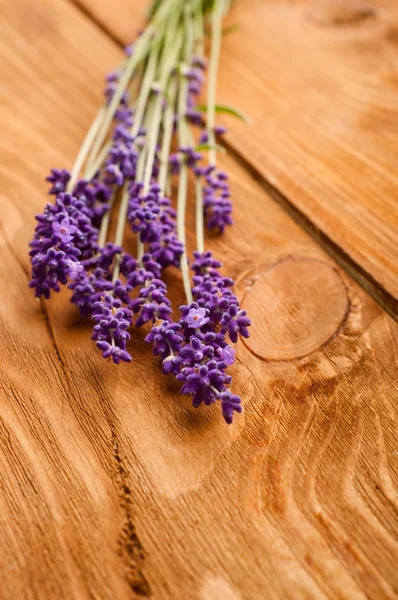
column 111, row 485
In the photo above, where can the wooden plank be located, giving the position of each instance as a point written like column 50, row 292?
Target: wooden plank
column 318, row 78
column 112, row 486
column 59, row 478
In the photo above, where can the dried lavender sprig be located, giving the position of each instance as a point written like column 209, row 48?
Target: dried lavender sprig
column 152, row 302
column 85, row 148
column 166, row 68
column 216, row 34
column 204, row 353
column 182, row 139
column 148, row 155
column 141, row 105
column 232, row 319
column 168, row 122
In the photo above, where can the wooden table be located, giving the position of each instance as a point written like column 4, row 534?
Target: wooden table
column 111, row 485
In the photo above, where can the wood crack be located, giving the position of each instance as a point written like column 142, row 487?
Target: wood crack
column 130, row 547
column 44, row 312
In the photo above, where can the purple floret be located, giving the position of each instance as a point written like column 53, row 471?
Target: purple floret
column 196, row 317
column 64, row 230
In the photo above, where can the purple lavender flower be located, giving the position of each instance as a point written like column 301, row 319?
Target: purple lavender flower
column 144, row 212
column 196, row 317
column 230, row 404
column 123, row 155
column 175, row 163
column 235, row 321
column 112, row 80
column 191, row 156
column 64, row 230
column 113, row 352
column 216, row 203
column 59, row 180
column 199, row 61
column 167, row 250
column 167, row 342
column 228, row 355
column 205, row 263
column 73, row 269
column 88, row 288
column 218, row 130
column 110, row 332
column 203, row 382
column 62, row 237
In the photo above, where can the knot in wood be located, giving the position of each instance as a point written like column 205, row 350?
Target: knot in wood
column 298, row 305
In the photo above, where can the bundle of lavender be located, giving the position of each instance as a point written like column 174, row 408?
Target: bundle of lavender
column 124, row 167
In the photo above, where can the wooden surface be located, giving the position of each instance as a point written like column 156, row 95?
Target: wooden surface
column 111, row 485
column 319, row 79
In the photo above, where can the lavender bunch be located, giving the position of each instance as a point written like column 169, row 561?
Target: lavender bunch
column 123, row 173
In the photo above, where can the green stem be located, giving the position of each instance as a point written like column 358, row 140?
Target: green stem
column 93, row 167
column 166, row 67
column 199, row 30
column 85, row 148
column 149, row 76
column 182, row 140
column 181, row 209
column 169, row 58
column 139, row 115
column 199, row 220
column 139, row 175
column 168, row 122
column 105, row 223
column 216, row 34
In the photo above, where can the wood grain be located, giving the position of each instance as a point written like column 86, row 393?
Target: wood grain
column 319, row 79
column 112, row 486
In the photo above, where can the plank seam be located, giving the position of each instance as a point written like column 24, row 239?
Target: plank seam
column 342, row 258
column 94, row 19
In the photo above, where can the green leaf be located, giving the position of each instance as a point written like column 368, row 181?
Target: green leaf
column 217, row 147
column 230, row 29
column 229, row 110
column 225, row 30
